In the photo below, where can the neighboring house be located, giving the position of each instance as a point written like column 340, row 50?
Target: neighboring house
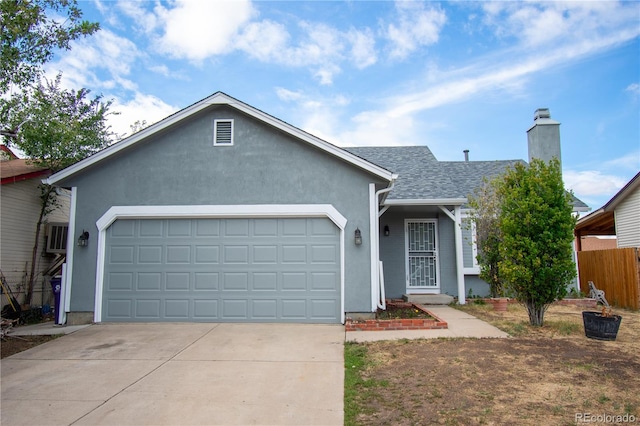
column 20, row 208
column 222, row 212
column 620, row 216
column 598, row 243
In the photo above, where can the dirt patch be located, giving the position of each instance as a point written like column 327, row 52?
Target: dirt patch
column 14, row 344
column 544, row 375
column 406, row 311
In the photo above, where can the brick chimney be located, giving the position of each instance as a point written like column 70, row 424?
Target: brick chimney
column 544, row 137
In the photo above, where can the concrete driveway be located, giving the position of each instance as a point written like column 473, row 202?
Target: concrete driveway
column 179, row 374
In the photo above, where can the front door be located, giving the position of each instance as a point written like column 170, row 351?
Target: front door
column 421, row 238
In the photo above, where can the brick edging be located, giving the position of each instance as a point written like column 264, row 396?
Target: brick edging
column 397, row 324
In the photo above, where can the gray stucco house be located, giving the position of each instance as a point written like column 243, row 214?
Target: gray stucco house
column 222, row 212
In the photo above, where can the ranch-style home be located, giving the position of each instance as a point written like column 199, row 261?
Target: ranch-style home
column 224, row 213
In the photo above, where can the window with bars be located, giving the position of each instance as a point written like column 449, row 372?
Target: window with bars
column 57, row 237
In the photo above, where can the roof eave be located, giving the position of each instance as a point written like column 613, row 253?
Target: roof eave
column 426, row 202
column 622, row 194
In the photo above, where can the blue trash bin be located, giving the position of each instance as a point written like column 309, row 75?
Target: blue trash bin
column 56, row 286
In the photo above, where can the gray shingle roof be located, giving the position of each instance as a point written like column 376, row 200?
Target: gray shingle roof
column 422, row 177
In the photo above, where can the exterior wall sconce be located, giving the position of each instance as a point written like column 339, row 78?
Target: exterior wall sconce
column 386, row 231
column 83, row 239
column 358, row 237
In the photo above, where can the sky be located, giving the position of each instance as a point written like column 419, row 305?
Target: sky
column 449, row 75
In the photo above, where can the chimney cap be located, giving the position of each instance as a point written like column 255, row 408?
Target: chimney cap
column 542, row 113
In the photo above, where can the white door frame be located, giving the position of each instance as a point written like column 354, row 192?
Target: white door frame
column 421, row 290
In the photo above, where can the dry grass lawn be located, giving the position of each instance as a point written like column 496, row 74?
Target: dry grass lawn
column 545, row 375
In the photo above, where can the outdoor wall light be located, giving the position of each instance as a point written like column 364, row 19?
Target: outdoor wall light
column 358, row 237
column 386, row 231
column 83, row 239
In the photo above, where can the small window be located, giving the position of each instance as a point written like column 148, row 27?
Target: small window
column 57, row 238
column 222, row 132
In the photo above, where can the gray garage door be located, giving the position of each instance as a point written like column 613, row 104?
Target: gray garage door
column 232, row 270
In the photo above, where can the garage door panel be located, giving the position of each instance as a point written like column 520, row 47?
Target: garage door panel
column 149, row 281
column 265, row 281
column 149, row 228
column 207, row 254
column 206, row 281
column 149, row 254
column 119, row 308
column 236, row 254
column 179, row 228
column 121, row 254
column 205, row 309
column 120, row 281
column 147, row 308
column 269, row 270
column 264, row 309
column 236, row 227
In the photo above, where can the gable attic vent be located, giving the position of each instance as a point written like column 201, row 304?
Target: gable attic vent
column 57, row 237
column 223, row 132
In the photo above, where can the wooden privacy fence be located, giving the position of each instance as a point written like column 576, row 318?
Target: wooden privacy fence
column 616, row 271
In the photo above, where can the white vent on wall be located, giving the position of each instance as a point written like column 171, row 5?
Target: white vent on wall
column 223, row 132
column 57, row 237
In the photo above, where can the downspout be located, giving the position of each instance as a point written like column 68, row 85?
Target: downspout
column 381, row 302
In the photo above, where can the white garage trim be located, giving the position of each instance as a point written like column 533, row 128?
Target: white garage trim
column 212, row 211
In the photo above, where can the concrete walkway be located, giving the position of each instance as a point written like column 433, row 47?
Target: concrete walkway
column 45, row 329
column 460, row 325
column 179, row 374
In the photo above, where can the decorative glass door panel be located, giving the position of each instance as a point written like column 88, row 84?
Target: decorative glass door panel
column 422, row 256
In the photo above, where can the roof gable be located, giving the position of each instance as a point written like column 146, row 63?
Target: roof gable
column 220, row 98
column 602, row 221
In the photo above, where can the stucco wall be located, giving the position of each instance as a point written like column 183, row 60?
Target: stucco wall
column 264, row 166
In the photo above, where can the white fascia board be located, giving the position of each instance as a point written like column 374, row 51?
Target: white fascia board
column 426, row 202
column 221, row 99
column 226, row 211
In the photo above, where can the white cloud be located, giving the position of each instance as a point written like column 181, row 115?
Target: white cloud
column 592, row 183
column 630, row 162
column 373, row 128
column 104, row 51
column 363, row 49
column 288, row 95
column 319, row 47
column 540, row 23
column 502, row 71
column 141, row 108
column 634, row 89
column 144, row 20
column 199, row 29
column 264, row 40
column 417, row 26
